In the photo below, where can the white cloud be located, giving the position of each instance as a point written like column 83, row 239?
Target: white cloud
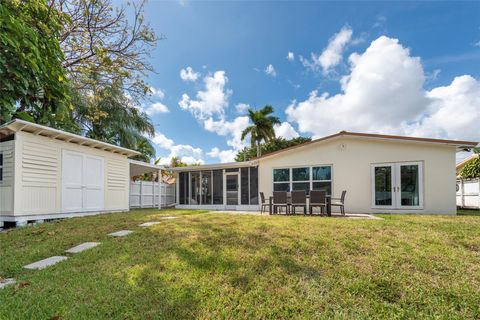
column 223, row 155
column 230, row 129
column 159, row 93
column 384, row 93
column 431, row 76
column 285, row 130
column 155, row 108
column 290, row 56
column 453, row 111
column 242, row 108
column 476, row 44
column 188, row 74
column 213, row 100
column 185, row 153
column 270, row 70
column 162, row 141
column 332, row 54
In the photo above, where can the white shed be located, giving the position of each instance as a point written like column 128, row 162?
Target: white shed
column 47, row 173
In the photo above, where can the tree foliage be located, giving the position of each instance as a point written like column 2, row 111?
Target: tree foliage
column 104, row 44
column 261, row 128
column 109, row 115
column 471, row 169
column 33, row 82
column 77, row 65
column 273, row 145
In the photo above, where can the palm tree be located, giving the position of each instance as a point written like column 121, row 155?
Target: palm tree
column 261, row 128
column 108, row 115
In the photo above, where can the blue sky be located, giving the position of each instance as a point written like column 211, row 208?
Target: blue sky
column 404, row 68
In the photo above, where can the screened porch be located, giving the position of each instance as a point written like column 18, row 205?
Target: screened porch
column 224, row 186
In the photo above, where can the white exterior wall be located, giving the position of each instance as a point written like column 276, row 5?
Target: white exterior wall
column 38, row 181
column 7, row 148
column 351, row 170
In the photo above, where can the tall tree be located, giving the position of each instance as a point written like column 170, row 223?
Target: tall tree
column 33, row 83
column 273, row 145
column 103, row 44
column 109, row 115
column 261, row 128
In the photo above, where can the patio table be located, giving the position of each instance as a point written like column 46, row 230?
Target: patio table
column 327, row 198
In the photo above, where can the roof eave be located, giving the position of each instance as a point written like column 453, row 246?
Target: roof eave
column 18, row 125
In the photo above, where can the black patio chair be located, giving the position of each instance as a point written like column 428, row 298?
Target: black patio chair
column 280, row 201
column 299, row 199
column 339, row 202
column 318, row 199
column 264, row 203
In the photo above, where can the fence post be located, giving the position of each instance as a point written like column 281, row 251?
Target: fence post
column 159, row 189
column 478, row 195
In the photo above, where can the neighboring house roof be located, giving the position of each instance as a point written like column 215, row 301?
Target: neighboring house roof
column 44, row 131
column 457, row 143
column 462, row 163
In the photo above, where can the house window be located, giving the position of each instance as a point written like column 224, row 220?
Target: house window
column 322, row 179
column 303, row 178
column 1, row 167
column 281, row 179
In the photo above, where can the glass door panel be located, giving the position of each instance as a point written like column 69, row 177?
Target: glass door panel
column 383, row 185
column 232, row 189
column 397, row 185
column 409, row 185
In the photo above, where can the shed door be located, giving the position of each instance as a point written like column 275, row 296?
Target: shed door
column 82, row 182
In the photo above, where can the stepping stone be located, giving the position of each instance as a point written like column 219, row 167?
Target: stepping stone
column 6, row 282
column 45, row 263
column 121, row 233
column 82, row 247
column 149, row 224
column 168, row 217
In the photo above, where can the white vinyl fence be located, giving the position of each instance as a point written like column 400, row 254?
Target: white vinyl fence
column 145, row 194
column 468, row 193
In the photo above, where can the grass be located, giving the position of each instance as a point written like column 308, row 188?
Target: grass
column 221, row 266
column 468, row 212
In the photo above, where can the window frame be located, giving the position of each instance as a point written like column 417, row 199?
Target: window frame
column 2, row 166
column 310, row 181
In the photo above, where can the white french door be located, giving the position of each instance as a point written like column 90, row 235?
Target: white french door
column 397, row 185
column 82, row 182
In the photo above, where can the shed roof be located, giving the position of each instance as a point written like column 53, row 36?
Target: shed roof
column 18, row 125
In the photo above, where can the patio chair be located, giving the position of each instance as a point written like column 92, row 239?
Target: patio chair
column 318, row 199
column 339, row 202
column 280, row 201
column 299, row 199
column 263, row 204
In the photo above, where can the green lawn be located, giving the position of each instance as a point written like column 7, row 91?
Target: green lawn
column 214, row 266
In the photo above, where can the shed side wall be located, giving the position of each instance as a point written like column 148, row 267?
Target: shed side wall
column 39, row 175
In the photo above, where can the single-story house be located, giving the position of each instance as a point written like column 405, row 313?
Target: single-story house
column 381, row 174
column 47, row 173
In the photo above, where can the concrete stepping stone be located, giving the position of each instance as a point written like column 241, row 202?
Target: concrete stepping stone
column 121, row 233
column 6, row 282
column 149, row 224
column 82, row 247
column 45, row 263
